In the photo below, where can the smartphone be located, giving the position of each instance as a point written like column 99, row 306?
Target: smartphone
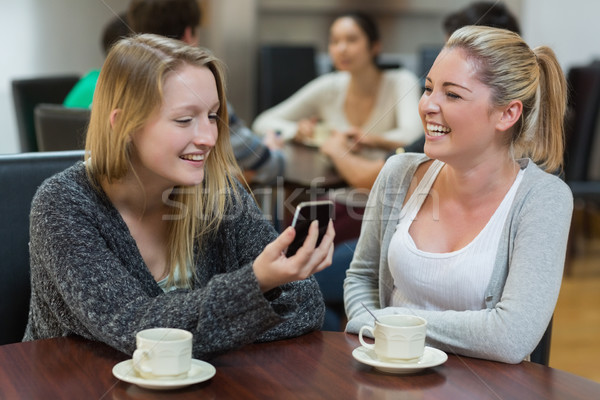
column 306, row 212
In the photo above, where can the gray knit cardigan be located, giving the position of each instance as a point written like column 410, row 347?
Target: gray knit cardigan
column 525, row 282
column 89, row 279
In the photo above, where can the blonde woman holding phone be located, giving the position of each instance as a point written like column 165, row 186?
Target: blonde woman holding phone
column 153, row 230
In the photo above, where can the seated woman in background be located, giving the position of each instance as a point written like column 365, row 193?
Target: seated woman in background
column 153, row 230
column 370, row 106
column 472, row 235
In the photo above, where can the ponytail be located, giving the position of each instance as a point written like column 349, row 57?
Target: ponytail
column 513, row 71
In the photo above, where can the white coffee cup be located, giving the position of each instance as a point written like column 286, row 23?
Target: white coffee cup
column 321, row 133
column 163, row 353
column 397, row 337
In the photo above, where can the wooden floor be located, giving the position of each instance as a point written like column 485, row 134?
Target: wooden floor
column 575, row 345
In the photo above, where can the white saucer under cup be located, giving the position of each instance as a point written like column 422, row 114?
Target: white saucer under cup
column 431, row 358
column 199, row 372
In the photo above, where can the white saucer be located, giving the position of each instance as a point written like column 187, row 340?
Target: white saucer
column 431, row 358
column 200, row 372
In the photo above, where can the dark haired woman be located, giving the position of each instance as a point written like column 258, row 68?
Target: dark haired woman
column 359, row 101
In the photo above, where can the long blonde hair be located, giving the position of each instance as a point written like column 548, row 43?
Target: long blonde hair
column 131, row 80
column 513, row 71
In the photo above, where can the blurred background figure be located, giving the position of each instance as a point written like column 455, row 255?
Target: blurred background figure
column 369, row 105
column 484, row 13
column 359, row 108
column 359, row 104
column 82, row 93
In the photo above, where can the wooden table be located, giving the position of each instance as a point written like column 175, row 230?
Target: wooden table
column 314, row 366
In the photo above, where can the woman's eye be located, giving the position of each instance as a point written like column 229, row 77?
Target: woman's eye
column 213, row 116
column 183, row 120
column 453, row 95
column 427, row 89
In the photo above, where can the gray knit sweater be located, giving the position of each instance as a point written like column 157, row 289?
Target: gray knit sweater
column 89, row 279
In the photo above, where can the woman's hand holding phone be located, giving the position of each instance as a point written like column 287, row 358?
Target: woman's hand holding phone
column 273, row 268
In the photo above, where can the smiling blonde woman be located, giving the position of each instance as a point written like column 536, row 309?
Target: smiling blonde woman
column 153, row 230
column 472, row 235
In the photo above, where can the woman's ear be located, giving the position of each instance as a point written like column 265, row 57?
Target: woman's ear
column 113, row 117
column 375, row 49
column 510, row 115
column 189, row 36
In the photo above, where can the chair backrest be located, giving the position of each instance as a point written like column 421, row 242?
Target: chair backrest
column 20, row 176
column 59, row 128
column 27, row 93
column 584, row 108
column 541, row 353
column 282, row 70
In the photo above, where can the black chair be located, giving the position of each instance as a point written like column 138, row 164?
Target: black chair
column 581, row 133
column 282, row 70
column 59, row 128
column 541, row 353
column 27, row 93
column 20, row 176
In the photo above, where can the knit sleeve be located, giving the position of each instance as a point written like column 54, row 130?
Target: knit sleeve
column 299, row 304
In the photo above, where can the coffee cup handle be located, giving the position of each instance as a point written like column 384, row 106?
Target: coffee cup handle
column 138, row 356
column 360, row 337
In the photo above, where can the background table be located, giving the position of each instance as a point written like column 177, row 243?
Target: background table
column 314, row 366
column 306, row 166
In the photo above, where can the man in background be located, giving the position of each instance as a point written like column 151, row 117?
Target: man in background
column 82, row 93
column 261, row 161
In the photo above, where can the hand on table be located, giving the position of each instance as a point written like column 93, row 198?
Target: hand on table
column 360, row 139
column 272, row 268
column 338, row 143
column 306, row 129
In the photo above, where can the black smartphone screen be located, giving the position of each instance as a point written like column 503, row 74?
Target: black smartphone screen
column 306, row 212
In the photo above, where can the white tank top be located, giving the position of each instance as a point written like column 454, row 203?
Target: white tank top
column 444, row 281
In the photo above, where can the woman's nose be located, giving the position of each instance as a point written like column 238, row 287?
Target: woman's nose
column 429, row 103
column 205, row 134
column 339, row 47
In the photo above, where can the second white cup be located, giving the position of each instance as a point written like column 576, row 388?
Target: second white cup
column 397, row 337
column 163, row 353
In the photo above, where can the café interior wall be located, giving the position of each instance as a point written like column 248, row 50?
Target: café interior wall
column 40, row 38
column 62, row 36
